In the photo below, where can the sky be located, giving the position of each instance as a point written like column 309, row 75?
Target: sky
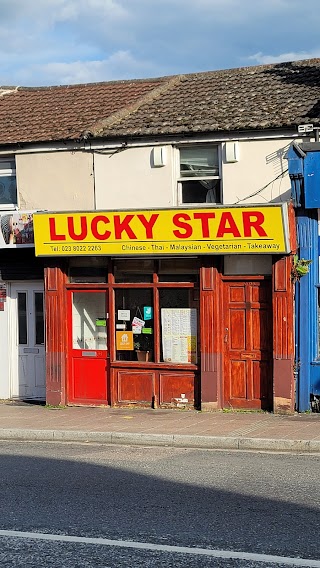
column 54, row 42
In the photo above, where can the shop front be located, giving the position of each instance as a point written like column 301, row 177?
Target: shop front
column 168, row 308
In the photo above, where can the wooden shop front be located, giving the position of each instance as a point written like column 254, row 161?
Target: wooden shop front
column 154, row 308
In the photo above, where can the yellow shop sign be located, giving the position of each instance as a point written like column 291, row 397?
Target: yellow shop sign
column 219, row 230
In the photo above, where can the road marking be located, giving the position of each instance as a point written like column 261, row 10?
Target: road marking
column 225, row 554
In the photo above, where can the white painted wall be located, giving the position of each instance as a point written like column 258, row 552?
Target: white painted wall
column 260, row 162
column 127, row 179
column 55, row 180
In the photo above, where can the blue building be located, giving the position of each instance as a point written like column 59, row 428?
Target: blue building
column 304, row 171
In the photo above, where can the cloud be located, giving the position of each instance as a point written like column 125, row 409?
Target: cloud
column 263, row 59
column 67, row 41
column 120, row 65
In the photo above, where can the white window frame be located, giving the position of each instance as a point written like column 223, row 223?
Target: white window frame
column 181, row 179
column 8, row 172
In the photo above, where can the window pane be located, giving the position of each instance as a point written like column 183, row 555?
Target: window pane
column 89, row 323
column 7, row 165
column 179, row 270
column 88, row 270
column 8, row 189
column 39, row 321
column 178, row 326
column 134, row 319
column 204, row 191
column 22, row 318
column 133, row 270
column 199, row 161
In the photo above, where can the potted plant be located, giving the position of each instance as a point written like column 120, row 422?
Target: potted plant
column 143, row 347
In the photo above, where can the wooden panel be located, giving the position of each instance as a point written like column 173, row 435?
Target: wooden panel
column 248, row 344
column 209, row 334
column 207, row 278
column 238, row 379
column 89, row 384
column 135, row 386
column 56, row 335
column 172, row 385
column 283, row 312
column 259, row 294
column 237, row 293
column 281, row 275
column 236, row 328
column 261, row 379
column 283, row 334
column 261, row 323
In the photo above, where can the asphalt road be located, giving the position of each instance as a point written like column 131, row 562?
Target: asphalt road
column 161, row 503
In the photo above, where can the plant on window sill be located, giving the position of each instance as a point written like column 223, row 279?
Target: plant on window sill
column 300, row 268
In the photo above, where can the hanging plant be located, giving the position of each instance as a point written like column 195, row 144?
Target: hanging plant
column 300, row 267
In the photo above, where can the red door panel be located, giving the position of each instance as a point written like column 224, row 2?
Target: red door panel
column 89, row 379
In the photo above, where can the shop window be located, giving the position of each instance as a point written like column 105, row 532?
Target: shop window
column 179, row 270
column 170, row 308
column 199, row 180
column 179, row 336
column 134, row 324
column 8, row 183
column 247, row 264
column 87, row 270
column 89, row 327
column 133, row 270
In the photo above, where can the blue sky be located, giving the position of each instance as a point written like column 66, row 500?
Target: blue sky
column 50, row 42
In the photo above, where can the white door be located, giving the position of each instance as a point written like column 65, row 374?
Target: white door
column 28, row 349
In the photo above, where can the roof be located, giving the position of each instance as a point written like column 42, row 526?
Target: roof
column 249, row 98
column 38, row 114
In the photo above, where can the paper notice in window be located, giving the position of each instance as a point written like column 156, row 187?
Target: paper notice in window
column 179, row 335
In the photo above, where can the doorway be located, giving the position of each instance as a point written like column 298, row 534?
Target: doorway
column 248, row 344
column 27, row 341
column 88, row 381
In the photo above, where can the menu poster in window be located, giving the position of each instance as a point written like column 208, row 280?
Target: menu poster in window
column 179, row 335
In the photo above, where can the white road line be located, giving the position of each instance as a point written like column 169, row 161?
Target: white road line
column 224, row 554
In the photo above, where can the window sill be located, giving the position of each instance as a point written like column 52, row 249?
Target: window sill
column 152, row 365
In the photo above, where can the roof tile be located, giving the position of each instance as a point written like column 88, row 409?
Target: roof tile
column 267, row 96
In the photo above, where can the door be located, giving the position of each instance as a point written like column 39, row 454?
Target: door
column 28, row 349
column 88, row 349
column 248, row 345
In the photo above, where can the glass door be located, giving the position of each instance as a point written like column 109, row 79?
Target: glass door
column 88, row 351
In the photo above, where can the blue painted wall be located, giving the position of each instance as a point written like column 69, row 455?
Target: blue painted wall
column 305, row 181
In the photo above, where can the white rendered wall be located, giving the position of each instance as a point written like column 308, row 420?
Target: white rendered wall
column 260, row 162
column 128, row 179
column 55, row 181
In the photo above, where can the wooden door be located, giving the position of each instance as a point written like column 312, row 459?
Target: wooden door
column 88, row 347
column 28, row 349
column 248, row 345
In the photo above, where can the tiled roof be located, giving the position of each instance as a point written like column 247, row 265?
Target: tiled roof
column 38, row 114
column 267, row 96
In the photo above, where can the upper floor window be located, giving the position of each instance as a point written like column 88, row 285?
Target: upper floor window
column 199, row 180
column 8, row 183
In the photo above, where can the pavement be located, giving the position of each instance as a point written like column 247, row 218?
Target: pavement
column 161, row 427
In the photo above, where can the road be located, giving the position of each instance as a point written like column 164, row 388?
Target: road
column 161, row 503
